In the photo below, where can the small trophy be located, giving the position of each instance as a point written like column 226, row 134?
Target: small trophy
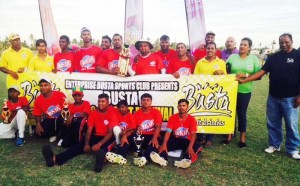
column 124, row 60
column 138, row 142
column 5, row 113
column 65, row 113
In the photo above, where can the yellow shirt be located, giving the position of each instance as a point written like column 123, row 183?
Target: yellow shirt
column 208, row 68
column 14, row 60
column 37, row 64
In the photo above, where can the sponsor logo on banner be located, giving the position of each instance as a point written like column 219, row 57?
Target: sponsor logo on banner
column 87, row 61
column 63, row 65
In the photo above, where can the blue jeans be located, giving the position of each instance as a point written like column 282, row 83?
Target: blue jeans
column 278, row 108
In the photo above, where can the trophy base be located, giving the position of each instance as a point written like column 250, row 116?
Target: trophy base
column 122, row 75
column 135, row 154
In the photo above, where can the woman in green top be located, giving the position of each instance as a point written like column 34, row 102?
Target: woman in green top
column 243, row 65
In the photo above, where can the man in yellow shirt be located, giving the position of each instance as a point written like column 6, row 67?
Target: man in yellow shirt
column 14, row 60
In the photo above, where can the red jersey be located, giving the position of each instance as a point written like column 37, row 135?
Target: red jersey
column 103, row 121
column 151, row 64
column 167, row 57
column 148, row 121
column 126, row 121
column 22, row 102
column 77, row 110
column 51, row 106
column 109, row 59
column 183, row 67
column 182, row 129
column 86, row 58
column 201, row 53
column 63, row 62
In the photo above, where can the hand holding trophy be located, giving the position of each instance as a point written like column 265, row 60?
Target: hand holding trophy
column 5, row 112
column 65, row 113
column 124, row 60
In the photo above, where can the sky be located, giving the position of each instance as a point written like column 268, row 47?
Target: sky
column 261, row 20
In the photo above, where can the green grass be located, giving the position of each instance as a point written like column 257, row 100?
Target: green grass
column 219, row 165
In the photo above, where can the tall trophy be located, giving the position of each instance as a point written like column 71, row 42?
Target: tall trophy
column 124, row 60
column 65, row 113
column 138, row 142
column 5, row 112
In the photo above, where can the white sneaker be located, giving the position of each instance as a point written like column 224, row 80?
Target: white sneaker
column 156, row 158
column 295, row 156
column 184, row 163
column 115, row 158
column 271, row 149
column 52, row 139
column 60, row 142
column 140, row 161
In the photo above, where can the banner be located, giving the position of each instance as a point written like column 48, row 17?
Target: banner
column 49, row 29
column 212, row 98
column 195, row 23
column 134, row 20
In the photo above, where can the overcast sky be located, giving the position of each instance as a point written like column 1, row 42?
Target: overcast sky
column 261, row 20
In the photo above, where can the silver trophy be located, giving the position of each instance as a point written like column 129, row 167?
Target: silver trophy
column 138, row 142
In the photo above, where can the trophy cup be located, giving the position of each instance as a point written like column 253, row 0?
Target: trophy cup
column 124, row 60
column 138, row 142
column 65, row 113
column 5, row 113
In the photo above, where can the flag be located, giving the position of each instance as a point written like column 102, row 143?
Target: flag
column 134, row 20
column 195, row 23
column 49, row 29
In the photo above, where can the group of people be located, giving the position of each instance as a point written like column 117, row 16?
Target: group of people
column 95, row 131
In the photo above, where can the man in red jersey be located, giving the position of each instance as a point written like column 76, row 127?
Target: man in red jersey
column 63, row 61
column 200, row 52
column 105, row 42
column 166, row 53
column 146, row 62
column 108, row 62
column 99, row 137
column 181, row 65
column 48, row 105
column 180, row 135
column 88, row 55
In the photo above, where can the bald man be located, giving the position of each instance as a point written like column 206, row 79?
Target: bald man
column 230, row 48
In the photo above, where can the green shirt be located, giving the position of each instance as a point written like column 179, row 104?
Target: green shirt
column 249, row 65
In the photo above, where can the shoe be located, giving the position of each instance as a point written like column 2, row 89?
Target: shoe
column 52, row 139
column 60, row 142
column 184, row 163
column 140, row 162
column 100, row 157
column 48, row 155
column 208, row 144
column 271, row 149
column 226, row 142
column 20, row 142
column 295, row 156
column 242, row 145
column 115, row 158
column 156, row 158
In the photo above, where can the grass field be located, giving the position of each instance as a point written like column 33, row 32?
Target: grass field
column 218, row 165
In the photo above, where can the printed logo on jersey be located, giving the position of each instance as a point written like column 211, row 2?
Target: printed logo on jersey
column 24, row 56
column 183, row 71
column 53, row 111
column 147, row 125
column 113, row 64
column 216, row 67
column 63, row 65
column 250, row 67
column 77, row 115
column 290, row 60
column 166, row 63
column 87, row 61
column 123, row 125
column 105, row 122
column 181, row 132
column 152, row 64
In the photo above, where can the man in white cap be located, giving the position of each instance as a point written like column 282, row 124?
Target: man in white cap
column 14, row 60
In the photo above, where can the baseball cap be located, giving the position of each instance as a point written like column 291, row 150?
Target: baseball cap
column 210, row 33
column 13, row 36
column 84, row 29
column 137, row 44
column 14, row 87
column 47, row 80
column 77, row 90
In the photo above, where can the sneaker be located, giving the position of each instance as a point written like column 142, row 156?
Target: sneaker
column 48, row 155
column 242, row 145
column 115, row 158
column 52, row 139
column 271, row 149
column 184, row 163
column 140, row 162
column 226, row 142
column 156, row 158
column 20, row 142
column 100, row 157
column 295, row 156
column 60, row 142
